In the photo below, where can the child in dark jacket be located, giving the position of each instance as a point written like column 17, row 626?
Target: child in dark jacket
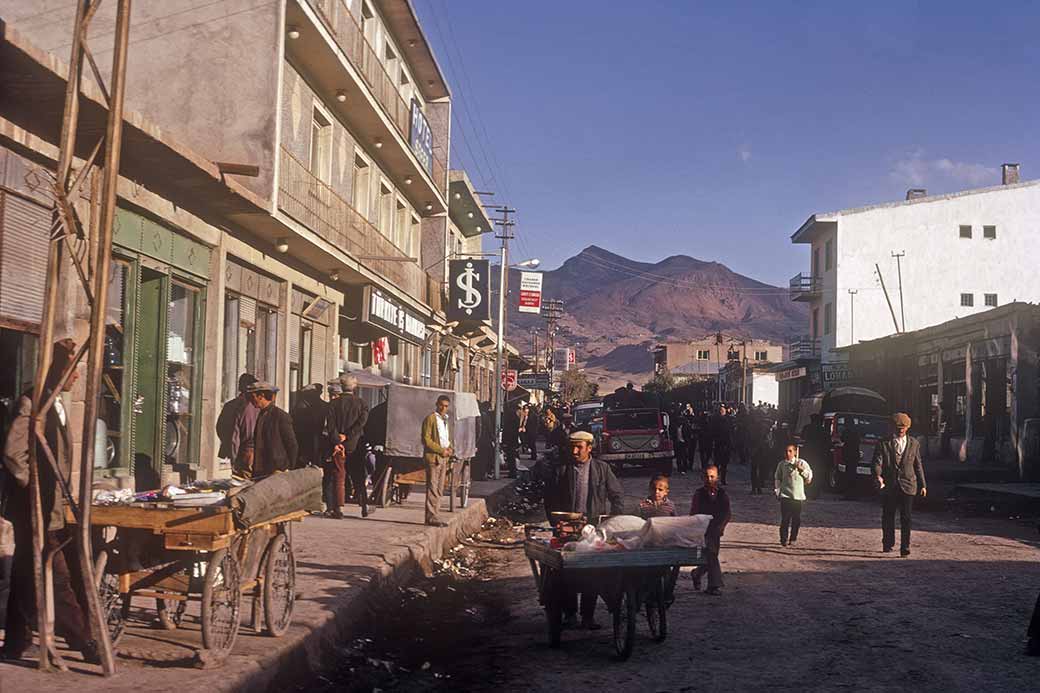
column 657, row 504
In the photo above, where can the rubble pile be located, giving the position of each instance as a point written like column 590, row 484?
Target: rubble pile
column 527, row 500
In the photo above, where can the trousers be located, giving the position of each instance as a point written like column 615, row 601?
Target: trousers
column 712, row 544
column 893, row 500
column 790, row 518
column 435, row 473
column 357, row 470
column 333, row 483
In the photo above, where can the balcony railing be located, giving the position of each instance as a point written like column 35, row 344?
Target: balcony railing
column 805, row 287
column 314, row 204
column 804, row 346
column 350, row 38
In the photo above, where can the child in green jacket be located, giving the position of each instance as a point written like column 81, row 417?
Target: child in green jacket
column 792, row 474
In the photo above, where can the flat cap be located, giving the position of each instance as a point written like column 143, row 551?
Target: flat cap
column 334, row 388
column 901, row 419
column 261, row 386
column 582, row 436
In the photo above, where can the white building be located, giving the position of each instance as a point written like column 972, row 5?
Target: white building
column 961, row 253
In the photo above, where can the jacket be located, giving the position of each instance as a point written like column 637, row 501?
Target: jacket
column 790, row 478
column 347, row 415
column 226, row 425
column 16, row 462
column 905, row 472
column 433, row 453
column 605, row 496
column 717, row 505
column 275, row 442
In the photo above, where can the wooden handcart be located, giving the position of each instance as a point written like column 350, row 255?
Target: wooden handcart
column 629, row 581
column 197, row 554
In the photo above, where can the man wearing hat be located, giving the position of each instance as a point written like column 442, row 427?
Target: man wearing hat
column 274, row 440
column 583, row 484
column 345, row 425
column 235, row 426
column 308, row 418
column 899, row 475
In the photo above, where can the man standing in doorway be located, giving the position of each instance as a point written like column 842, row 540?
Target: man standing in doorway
column 235, row 427
column 899, row 474
column 437, row 453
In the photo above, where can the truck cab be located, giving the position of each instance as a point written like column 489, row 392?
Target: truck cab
column 637, row 436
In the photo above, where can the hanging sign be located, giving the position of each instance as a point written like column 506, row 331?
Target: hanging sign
column 468, row 290
column 530, row 292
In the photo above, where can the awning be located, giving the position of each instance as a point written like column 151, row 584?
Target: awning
column 369, row 379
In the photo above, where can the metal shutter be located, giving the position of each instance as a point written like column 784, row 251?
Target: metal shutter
column 24, row 246
column 247, row 311
column 319, row 350
column 294, row 339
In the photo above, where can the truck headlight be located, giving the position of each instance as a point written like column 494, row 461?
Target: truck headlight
column 615, row 444
column 655, row 443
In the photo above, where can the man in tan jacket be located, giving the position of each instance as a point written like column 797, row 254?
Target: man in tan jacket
column 437, row 453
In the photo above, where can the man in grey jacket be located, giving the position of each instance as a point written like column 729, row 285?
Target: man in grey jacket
column 899, row 475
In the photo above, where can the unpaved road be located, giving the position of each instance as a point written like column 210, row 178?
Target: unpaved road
column 834, row 613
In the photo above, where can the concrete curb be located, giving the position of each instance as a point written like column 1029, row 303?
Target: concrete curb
column 299, row 657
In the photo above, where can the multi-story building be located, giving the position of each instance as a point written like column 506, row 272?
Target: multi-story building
column 708, row 355
column 939, row 257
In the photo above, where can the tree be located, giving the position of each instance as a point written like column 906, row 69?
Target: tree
column 662, row 383
column 575, row 385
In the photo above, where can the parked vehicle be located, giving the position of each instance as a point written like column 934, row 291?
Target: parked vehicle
column 636, row 437
column 588, row 416
column 847, row 411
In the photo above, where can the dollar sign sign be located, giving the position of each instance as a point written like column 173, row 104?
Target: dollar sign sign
column 465, row 282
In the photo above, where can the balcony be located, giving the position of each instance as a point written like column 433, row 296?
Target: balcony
column 804, row 346
column 314, row 204
column 805, row 287
column 350, row 38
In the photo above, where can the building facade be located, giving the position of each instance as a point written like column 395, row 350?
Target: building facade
column 708, row 355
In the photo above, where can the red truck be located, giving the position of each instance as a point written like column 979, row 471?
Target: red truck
column 636, row 436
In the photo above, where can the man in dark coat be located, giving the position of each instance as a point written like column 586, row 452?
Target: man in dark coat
column 816, row 449
column 345, row 425
column 275, row 446
column 899, row 474
column 308, row 417
column 585, row 485
column 712, row 500
column 57, row 539
column 721, row 441
column 235, row 426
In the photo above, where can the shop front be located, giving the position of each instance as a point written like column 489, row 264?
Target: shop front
column 148, row 427
column 254, row 309
column 310, row 340
column 383, row 335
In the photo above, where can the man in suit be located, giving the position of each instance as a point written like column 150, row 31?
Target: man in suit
column 583, row 484
column 344, row 425
column 437, row 452
column 899, row 475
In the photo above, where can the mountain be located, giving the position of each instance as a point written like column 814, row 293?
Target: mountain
column 616, row 309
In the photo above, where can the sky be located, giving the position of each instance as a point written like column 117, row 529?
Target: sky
column 715, row 129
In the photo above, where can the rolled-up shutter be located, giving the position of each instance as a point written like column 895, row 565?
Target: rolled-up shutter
column 23, row 253
column 319, row 350
column 247, row 311
column 294, row 339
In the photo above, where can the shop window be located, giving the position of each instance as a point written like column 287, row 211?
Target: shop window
column 265, row 341
column 181, row 374
column 229, row 371
column 362, row 185
column 967, row 300
column 115, row 378
column 965, row 230
column 989, row 232
column 321, row 146
column 991, row 300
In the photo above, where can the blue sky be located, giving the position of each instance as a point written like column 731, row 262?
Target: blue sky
column 714, row 129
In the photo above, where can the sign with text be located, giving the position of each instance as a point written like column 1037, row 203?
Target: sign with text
column 533, row 381
column 791, row 374
column 385, row 312
column 530, row 292
column 468, row 290
column 509, row 380
column 421, row 137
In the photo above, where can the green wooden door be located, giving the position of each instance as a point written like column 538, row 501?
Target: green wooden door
column 151, row 356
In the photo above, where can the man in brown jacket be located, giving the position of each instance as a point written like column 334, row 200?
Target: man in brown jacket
column 437, row 452
column 275, row 443
column 899, row 475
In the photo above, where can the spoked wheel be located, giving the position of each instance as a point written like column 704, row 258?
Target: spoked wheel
column 114, row 604
column 221, row 602
column 625, row 623
column 171, row 612
column 279, row 586
column 464, row 482
column 657, row 610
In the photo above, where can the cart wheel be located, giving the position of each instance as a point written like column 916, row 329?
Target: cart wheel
column 625, row 623
column 657, row 611
column 221, row 601
column 171, row 613
column 464, row 482
column 114, row 604
column 279, row 586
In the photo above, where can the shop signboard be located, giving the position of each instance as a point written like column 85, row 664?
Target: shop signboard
column 468, row 290
column 533, row 381
column 421, row 137
column 388, row 314
column 837, row 375
column 530, row 292
column 509, row 380
column 791, row 374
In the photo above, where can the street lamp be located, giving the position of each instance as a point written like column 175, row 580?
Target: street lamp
column 501, row 392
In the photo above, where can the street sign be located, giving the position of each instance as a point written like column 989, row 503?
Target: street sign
column 468, row 290
column 530, row 292
column 791, row 374
column 533, row 381
column 509, row 380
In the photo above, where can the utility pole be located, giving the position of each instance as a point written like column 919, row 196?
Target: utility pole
column 553, row 312
column 899, row 272
column 887, row 299
column 718, row 364
column 534, row 348
column 505, row 235
column 852, row 314
column 743, row 375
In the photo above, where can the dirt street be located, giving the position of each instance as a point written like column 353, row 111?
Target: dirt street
column 834, row 613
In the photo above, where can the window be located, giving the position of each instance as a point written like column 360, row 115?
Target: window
column 965, row 231
column 828, row 255
column 362, row 185
column 415, row 237
column 406, row 86
column 967, row 300
column 828, row 318
column 703, row 354
column 390, row 60
column 386, row 211
column 989, row 232
column 181, row 373
column 368, row 23
column 402, row 226
column 816, row 263
column 991, row 300
column 761, row 355
column 321, row 146
column 815, row 323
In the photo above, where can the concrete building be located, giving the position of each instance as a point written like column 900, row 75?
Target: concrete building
column 961, row 254
column 969, row 384
column 756, row 385
column 706, row 356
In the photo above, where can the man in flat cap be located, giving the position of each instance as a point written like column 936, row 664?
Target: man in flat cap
column 582, row 484
column 899, row 475
column 275, row 446
column 345, row 426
